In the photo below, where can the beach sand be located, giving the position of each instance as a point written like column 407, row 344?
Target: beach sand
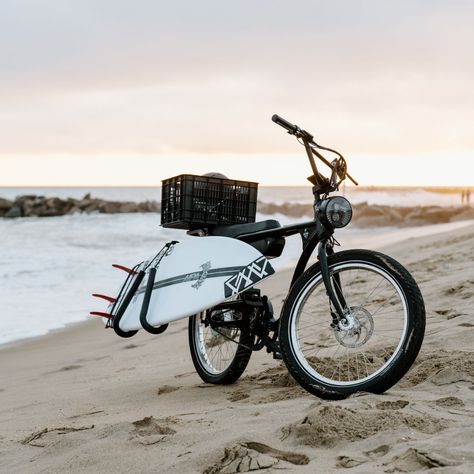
column 83, row 400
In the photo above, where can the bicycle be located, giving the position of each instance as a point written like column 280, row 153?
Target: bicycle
column 353, row 321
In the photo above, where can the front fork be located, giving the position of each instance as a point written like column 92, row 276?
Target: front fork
column 334, row 292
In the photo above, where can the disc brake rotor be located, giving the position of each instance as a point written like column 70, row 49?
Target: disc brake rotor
column 357, row 329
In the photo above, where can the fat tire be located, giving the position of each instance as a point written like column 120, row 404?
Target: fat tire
column 406, row 355
column 236, row 367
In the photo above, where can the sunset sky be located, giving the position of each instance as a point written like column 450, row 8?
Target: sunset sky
column 102, row 92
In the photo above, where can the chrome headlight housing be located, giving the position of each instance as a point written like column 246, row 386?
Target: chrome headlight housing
column 336, row 211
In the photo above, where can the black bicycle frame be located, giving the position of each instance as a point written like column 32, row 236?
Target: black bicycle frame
column 313, row 233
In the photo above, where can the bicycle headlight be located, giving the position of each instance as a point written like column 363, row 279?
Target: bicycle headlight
column 336, row 211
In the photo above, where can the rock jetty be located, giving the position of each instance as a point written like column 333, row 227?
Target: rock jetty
column 32, row 205
column 365, row 215
column 374, row 215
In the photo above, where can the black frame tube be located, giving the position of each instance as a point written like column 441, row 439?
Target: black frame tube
column 283, row 231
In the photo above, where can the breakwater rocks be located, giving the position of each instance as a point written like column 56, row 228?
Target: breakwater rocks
column 365, row 215
column 375, row 215
column 40, row 206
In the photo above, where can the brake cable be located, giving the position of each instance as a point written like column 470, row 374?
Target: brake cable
column 340, row 161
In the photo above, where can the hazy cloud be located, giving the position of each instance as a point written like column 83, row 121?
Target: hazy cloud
column 173, row 77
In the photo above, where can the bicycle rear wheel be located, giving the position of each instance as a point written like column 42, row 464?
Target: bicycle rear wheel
column 220, row 355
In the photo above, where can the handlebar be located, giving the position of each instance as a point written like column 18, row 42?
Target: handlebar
column 291, row 128
column 338, row 166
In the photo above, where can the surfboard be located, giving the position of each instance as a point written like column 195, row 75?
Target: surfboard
column 195, row 275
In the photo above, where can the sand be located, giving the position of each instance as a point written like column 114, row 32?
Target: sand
column 83, row 400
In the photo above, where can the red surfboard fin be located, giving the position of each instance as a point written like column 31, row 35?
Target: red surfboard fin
column 104, row 297
column 101, row 314
column 125, row 269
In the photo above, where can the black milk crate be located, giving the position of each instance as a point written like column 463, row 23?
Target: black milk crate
column 194, row 202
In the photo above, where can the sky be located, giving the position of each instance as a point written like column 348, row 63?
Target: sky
column 113, row 92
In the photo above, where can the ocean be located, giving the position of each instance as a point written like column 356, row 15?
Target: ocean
column 49, row 267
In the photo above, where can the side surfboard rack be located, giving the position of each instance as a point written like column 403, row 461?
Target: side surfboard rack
column 133, row 281
column 146, row 303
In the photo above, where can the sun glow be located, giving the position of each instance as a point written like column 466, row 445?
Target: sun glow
column 145, row 170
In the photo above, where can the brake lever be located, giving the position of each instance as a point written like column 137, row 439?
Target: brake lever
column 300, row 133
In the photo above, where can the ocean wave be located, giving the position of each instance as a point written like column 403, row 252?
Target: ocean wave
column 365, row 214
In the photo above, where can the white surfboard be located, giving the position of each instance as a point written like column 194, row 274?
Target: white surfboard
column 195, row 275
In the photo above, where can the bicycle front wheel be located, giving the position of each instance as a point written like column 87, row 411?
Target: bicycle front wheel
column 375, row 344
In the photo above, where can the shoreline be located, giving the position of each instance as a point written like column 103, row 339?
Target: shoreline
column 389, row 236
column 392, row 236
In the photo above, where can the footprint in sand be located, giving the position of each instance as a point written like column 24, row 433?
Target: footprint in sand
column 441, row 368
column 463, row 290
column 449, row 313
column 67, row 368
column 252, row 456
column 378, row 452
column 392, row 405
column 48, row 436
column 130, row 346
column 81, row 415
column 167, row 389
column 186, row 374
column 277, row 383
column 449, row 402
column 148, row 431
column 414, row 460
column 237, row 396
column 328, row 425
column 348, row 461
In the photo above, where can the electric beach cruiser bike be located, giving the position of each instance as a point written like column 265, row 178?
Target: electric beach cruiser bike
column 353, row 321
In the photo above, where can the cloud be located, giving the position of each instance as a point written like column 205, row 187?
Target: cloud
column 174, row 77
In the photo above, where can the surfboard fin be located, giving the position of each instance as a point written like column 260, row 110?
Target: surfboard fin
column 125, row 269
column 101, row 314
column 104, row 297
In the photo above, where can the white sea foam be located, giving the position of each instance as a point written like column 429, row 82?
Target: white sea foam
column 273, row 194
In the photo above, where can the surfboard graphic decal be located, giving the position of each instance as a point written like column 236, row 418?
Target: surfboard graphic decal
column 248, row 276
column 203, row 275
column 199, row 277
